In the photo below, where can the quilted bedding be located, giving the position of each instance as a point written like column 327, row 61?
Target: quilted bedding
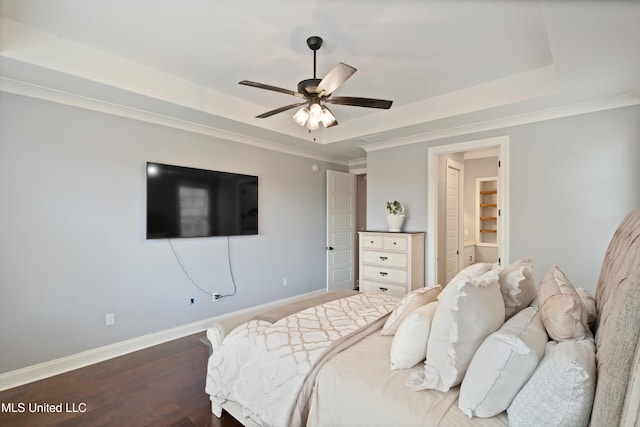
column 270, row 368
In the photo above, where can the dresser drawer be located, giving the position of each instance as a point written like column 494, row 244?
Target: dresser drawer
column 394, row 243
column 391, row 259
column 390, row 263
column 385, row 274
column 383, row 288
column 372, row 242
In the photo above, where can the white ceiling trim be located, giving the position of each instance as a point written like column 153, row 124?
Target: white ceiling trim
column 539, row 116
column 508, row 90
column 48, row 94
column 451, row 68
column 39, row 48
column 60, row 97
column 48, row 51
column 358, row 166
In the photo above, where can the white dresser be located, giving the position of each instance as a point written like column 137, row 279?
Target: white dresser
column 391, row 263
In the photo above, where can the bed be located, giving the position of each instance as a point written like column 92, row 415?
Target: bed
column 349, row 381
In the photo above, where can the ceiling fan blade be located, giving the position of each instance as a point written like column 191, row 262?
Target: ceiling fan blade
column 334, row 79
column 360, row 102
column 279, row 110
column 273, row 88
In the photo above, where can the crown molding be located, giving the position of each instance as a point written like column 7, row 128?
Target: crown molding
column 47, row 94
column 66, row 98
column 523, row 119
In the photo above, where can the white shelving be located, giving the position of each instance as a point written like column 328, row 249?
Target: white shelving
column 487, row 211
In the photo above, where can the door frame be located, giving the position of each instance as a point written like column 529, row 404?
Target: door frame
column 433, row 154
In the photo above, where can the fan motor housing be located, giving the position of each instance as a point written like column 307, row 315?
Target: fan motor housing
column 308, row 85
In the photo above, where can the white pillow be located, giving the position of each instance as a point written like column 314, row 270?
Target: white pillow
column 473, row 270
column 563, row 314
column 590, row 305
column 409, row 345
column 468, row 311
column 560, row 392
column 517, row 285
column 408, row 303
column 502, row 365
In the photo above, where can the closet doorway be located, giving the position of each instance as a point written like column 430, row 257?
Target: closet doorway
column 459, row 231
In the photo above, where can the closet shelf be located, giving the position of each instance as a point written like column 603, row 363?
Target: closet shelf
column 487, row 211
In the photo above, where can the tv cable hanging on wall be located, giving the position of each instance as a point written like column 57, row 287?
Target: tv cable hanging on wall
column 215, row 296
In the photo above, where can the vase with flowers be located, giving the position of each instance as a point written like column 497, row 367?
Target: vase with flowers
column 395, row 216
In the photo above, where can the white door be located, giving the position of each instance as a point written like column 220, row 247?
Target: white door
column 453, row 209
column 341, row 194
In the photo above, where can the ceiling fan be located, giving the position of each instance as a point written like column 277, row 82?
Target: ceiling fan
column 317, row 92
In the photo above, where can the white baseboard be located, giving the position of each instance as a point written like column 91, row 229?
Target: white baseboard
column 75, row 361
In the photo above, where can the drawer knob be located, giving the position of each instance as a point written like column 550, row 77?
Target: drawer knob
column 384, row 289
column 382, row 273
column 372, row 242
column 383, row 258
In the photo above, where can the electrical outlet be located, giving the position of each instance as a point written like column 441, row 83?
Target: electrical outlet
column 111, row 319
column 285, row 282
column 193, row 300
column 216, row 296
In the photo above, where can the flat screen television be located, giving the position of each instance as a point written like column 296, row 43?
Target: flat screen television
column 188, row 202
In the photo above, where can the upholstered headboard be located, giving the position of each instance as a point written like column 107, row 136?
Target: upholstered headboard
column 617, row 399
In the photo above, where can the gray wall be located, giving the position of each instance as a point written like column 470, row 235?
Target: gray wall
column 72, row 242
column 572, row 180
column 397, row 174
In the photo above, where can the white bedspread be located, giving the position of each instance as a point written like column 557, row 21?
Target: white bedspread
column 356, row 388
column 270, row 368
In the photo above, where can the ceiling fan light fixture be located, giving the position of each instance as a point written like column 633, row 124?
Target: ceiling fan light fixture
column 327, row 118
column 315, row 113
column 301, row 116
column 311, row 125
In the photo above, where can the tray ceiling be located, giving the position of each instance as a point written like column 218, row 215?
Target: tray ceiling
column 450, row 66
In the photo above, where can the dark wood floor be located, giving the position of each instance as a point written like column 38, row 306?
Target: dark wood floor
column 158, row 386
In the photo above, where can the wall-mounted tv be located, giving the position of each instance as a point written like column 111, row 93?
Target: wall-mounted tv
column 188, row 202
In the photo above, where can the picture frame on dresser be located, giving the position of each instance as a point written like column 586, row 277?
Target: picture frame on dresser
column 391, row 263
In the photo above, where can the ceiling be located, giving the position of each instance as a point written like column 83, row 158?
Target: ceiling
column 450, row 66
